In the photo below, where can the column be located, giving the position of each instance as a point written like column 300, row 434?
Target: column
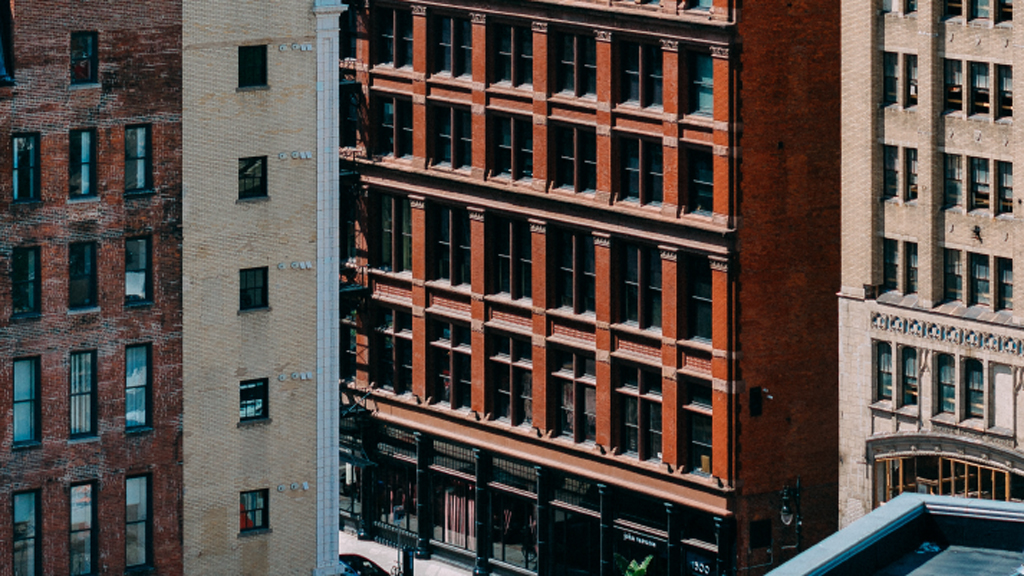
column 424, row 446
column 723, row 387
column 606, row 160
column 725, row 534
column 540, row 106
column 543, row 523
column 480, row 52
column 483, row 512
column 606, row 532
column 672, row 303
column 722, row 135
column 421, row 40
column 675, row 561
column 605, row 293
column 481, row 402
column 420, row 240
column 672, row 106
column 542, row 419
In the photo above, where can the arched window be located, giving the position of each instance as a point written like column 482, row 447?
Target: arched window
column 883, row 381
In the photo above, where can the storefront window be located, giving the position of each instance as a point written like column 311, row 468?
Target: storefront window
column 944, row 477
column 575, row 542
column 632, row 545
column 514, row 530
column 396, row 496
column 454, row 511
column 351, row 503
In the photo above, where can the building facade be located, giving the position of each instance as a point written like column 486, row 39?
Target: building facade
column 930, row 340
column 260, row 287
column 90, row 294
column 589, row 259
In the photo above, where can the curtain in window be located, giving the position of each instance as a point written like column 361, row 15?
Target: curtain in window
column 136, row 380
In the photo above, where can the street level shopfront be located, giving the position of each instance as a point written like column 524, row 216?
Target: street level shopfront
column 508, row 516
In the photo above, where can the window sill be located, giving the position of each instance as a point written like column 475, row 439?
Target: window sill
column 84, row 85
column 260, row 88
column 636, row 330
column 128, row 194
column 256, row 532
column 142, row 304
column 506, row 86
column 883, row 406
column 83, row 310
column 27, row 202
column 253, row 199
column 946, row 418
column 28, row 445
column 138, row 430
column 25, row 316
column 567, row 313
column 83, row 439
column 254, row 422
column 140, row 570
column 703, row 344
column 248, row 311
column 90, row 199
column 908, row 410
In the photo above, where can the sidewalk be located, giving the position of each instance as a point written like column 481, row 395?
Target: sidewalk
column 387, row 557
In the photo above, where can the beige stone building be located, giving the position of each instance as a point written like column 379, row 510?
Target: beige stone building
column 931, row 335
column 260, row 286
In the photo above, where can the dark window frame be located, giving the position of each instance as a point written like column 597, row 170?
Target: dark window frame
column 453, row 137
column 85, row 57
column 29, row 531
column 30, row 400
column 890, row 171
column 395, row 38
column 575, row 58
column 82, row 393
column 890, row 78
column 138, row 383
column 89, row 531
column 132, row 522
column 511, row 368
column 252, row 66
column 980, row 279
column 641, row 287
column 911, row 71
column 253, row 400
column 890, row 264
column 575, row 152
column 136, row 266
column 910, row 165
column 513, row 246
column 82, row 273
column 252, row 177
column 394, row 249
column 513, row 62
column 254, row 510
column 454, row 253
column 909, row 380
column 700, row 297
column 980, row 103
column 642, row 171
column 23, row 177
column 953, row 82
column 700, row 168
column 953, row 275
column 1004, row 187
column 945, row 381
column 253, row 289
column 1004, row 91
column 641, row 75
column 395, row 127
column 884, row 370
column 573, row 386
column 26, row 281
column 701, row 87
column 911, row 267
column 1004, row 284
column 141, row 156
column 974, row 388
column 451, row 347
column 453, row 46
column 575, row 267
column 82, row 163
column 513, row 147
column 953, row 171
column 393, row 361
column 641, row 431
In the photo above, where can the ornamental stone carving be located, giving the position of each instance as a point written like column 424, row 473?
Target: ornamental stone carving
column 949, row 334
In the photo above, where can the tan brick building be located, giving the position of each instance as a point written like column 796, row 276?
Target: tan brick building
column 930, row 328
column 260, row 481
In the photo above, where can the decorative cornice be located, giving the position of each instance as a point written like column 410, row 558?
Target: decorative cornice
column 478, row 17
column 419, row 10
column 603, row 35
column 417, row 202
column 721, row 52
column 949, row 334
column 541, row 27
column 669, row 45
column 719, row 263
column 602, row 239
column 670, row 253
column 476, row 214
column 538, row 226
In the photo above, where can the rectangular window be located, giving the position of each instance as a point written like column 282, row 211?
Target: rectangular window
column 1004, row 175
column 83, row 522
column 980, row 9
column 395, row 129
column 954, row 8
column 981, row 97
column 574, row 379
column 640, row 403
column 349, row 118
column 453, row 143
column 947, row 383
column 26, row 281
column 25, row 167
column 576, row 69
column 700, row 305
column 252, row 288
column 910, row 64
column 512, row 370
column 513, row 156
column 515, row 259
column 1004, row 102
column 975, row 393
column 641, row 287
column 890, row 264
column 1004, row 286
column 954, row 174
column 641, row 74
column 137, row 526
column 700, row 445
column 910, row 159
column 252, row 177
column 83, row 393
column 394, row 363
column 254, row 512
column 452, row 347
column 82, row 275
column 954, row 85
column 1004, row 10
column 909, row 377
column 513, row 62
column 702, row 84
column 137, row 161
column 252, row 400
column 576, row 165
column 26, row 400
column 981, row 184
column 454, row 48
column 890, row 78
column 84, row 58
column 25, row 539
column 395, row 38
column 954, row 275
column 454, row 247
column 643, row 173
column 348, row 30
column 910, row 257
column 909, row 6
column 576, row 278
column 137, row 377
column 138, row 283
column 701, row 181
column 395, row 254
column 252, row 66
column 890, row 174
column 883, row 377
column 980, row 280
column 349, row 345
column 82, row 164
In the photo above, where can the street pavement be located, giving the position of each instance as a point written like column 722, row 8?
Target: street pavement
column 387, row 557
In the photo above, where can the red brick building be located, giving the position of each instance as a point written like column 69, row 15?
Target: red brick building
column 601, row 247
column 90, row 293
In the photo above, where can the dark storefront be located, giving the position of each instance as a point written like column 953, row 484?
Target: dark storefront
column 507, row 516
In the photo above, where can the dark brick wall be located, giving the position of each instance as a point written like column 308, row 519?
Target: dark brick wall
column 139, row 47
